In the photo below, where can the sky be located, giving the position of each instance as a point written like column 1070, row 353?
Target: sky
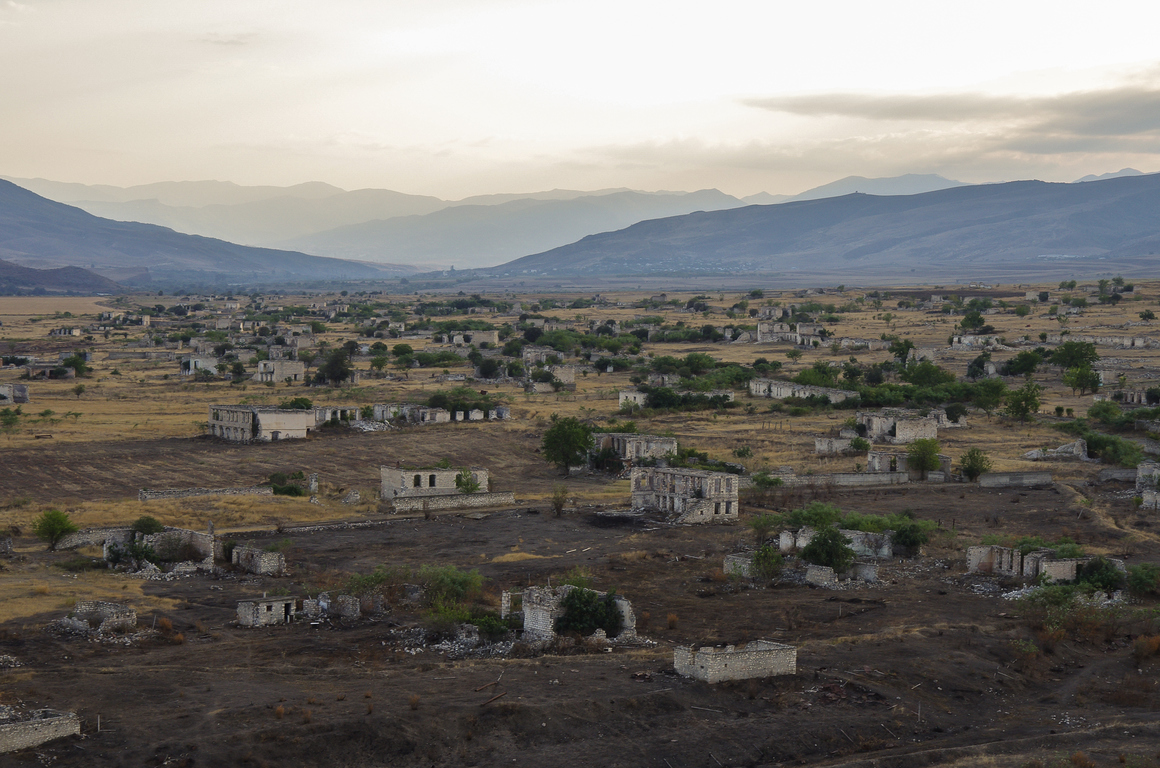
column 460, row 97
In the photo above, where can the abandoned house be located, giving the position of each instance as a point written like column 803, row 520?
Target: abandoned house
column 631, row 446
column 779, row 390
column 898, row 461
column 633, row 398
column 191, row 364
column 280, row 370
column 899, row 426
column 691, row 495
column 254, row 423
column 101, row 617
column 755, row 659
column 431, row 488
column 259, row 561
column 267, row 611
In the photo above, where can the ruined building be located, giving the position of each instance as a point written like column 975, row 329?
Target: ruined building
column 254, row 423
column 629, row 446
column 433, row 488
column 755, row 659
column 688, row 495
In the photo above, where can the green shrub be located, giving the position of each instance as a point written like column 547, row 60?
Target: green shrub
column 585, row 611
column 910, row 534
column 767, row 562
column 446, row 585
column 830, row 548
column 52, row 526
column 1144, row 579
column 375, row 581
column 1100, row 573
column 146, row 525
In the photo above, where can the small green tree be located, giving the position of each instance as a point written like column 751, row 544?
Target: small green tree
column 52, row 526
column 974, row 463
column 466, row 482
column 1082, row 378
column 989, row 394
column 9, row 421
column 762, row 526
column 1023, row 402
column 585, row 611
column 337, row 368
column 922, row 455
column 78, row 390
column 566, row 442
column 1100, row 573
column 830, row 548
column 767, row 562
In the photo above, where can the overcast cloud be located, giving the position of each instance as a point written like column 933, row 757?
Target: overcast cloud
column 453, row 98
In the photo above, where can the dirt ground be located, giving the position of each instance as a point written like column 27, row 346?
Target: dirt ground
column 358, row 694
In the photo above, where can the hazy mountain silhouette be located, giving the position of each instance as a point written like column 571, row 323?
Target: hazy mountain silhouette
column 40, row 233
column 932, row 234
column 480, row 235
column 1115, row 175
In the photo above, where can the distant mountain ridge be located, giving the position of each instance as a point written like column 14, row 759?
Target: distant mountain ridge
column 40, row 233
column 17, row 279
column 932, row 234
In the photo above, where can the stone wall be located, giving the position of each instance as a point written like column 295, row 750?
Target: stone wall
column 266, row 612
column 541, row 609
column 44, row 725
column 409, row 482
column 831, row 446
column 867, row 572
column 1001, row 561
column 205, row 544
column 458, row 501
column 94, row 537
column 849, row 479
column 146, row 494
column 821, row 576
column 1015, row 479
column 779, row 390
column 756, row 659
column 253, row 560
column 739, row 565
column 105, row 617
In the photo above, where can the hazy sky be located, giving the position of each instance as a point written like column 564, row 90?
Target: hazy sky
column 459, row 97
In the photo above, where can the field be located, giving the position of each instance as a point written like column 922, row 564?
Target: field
column 929, row 666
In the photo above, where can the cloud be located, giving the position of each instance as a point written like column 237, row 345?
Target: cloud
column 236, row 39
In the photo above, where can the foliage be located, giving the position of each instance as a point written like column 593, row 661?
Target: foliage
column 381, row 578
column 926, row 374
column 461, row 399
column 989, row 395
column 765, row 481
column 956, row 411
column 816, row 514
column 577, row 577
column 830, row 548
column 1074, row 354
column 1099, row 573
column 911, row 533
column 922, row 455
column 336, row 368
column 296, row 404
column 763, row 525
column 585, row 611
column 146, row 525
column 52, row 526
column 567, row 441
column 767, row 562
column 1023, row 402
column 974, row 463
column 1111, row 449
column 77, row 363
column 1082, row 378
column 1144, row 579
column 447, row 585
column 559, row 498
column 1022, row 364
column 466, row 483
column 860, row 444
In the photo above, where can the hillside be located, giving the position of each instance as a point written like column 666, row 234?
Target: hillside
column 1000, row 227
column 39, row 233
column 17, row 279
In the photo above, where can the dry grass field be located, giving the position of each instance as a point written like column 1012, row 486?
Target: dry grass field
column 921, row 669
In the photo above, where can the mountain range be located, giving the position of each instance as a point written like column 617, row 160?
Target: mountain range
column 385, row 226
column 39, row 233
column 998, row 227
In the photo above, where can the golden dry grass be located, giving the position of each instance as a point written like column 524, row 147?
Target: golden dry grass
column 38, row 589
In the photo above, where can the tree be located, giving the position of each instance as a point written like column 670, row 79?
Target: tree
column 466, row 482
column 146, row 525
column 1022, row 310
column 489, row 368
column 973, row 320
column 830, row 548
column 762, row 526
column 1082, row 378
column 77, row 363
column 307, row 357
column 1073, row 354
column 566, row 442
column 379, row 362
column 9, row 421
column 900, row 349
column 974, row 463
column 1022, row 364
column 922, row 455
column 52, row 526
column 78, row 390
column 399, row 350
column 989, row 395
column 296, row 404
column 1023, row 402
column 351, row 348
column 337, row 368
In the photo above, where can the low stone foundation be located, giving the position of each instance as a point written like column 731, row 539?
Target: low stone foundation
column 259, row 561
column 146, row 494
column 756, row 659
column 821, row 576
column 1015, row 479
column 453, row 501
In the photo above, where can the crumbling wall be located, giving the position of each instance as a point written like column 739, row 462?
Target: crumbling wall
column 459, row 501
column 259, row 561
column 266, row 612
column 1076, row 451
column 541, row 607
column 104, row 617
column 1001, row 561
column 42, row 726
column 739, row 565
column 867, row 572
column 756, row 659
column 1015, row 479
column 821, row 576
column 146, row 494
column 831, row 446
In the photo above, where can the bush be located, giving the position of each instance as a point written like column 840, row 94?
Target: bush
column 1099, row 573
column 585, row 611
column 974, row 463
column 146, row 525
column 296, row 404
column 910, row 534
column 860, row 444
column 1144, row 578
column 829, row 548
column 767, row 562
column 447, row 585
